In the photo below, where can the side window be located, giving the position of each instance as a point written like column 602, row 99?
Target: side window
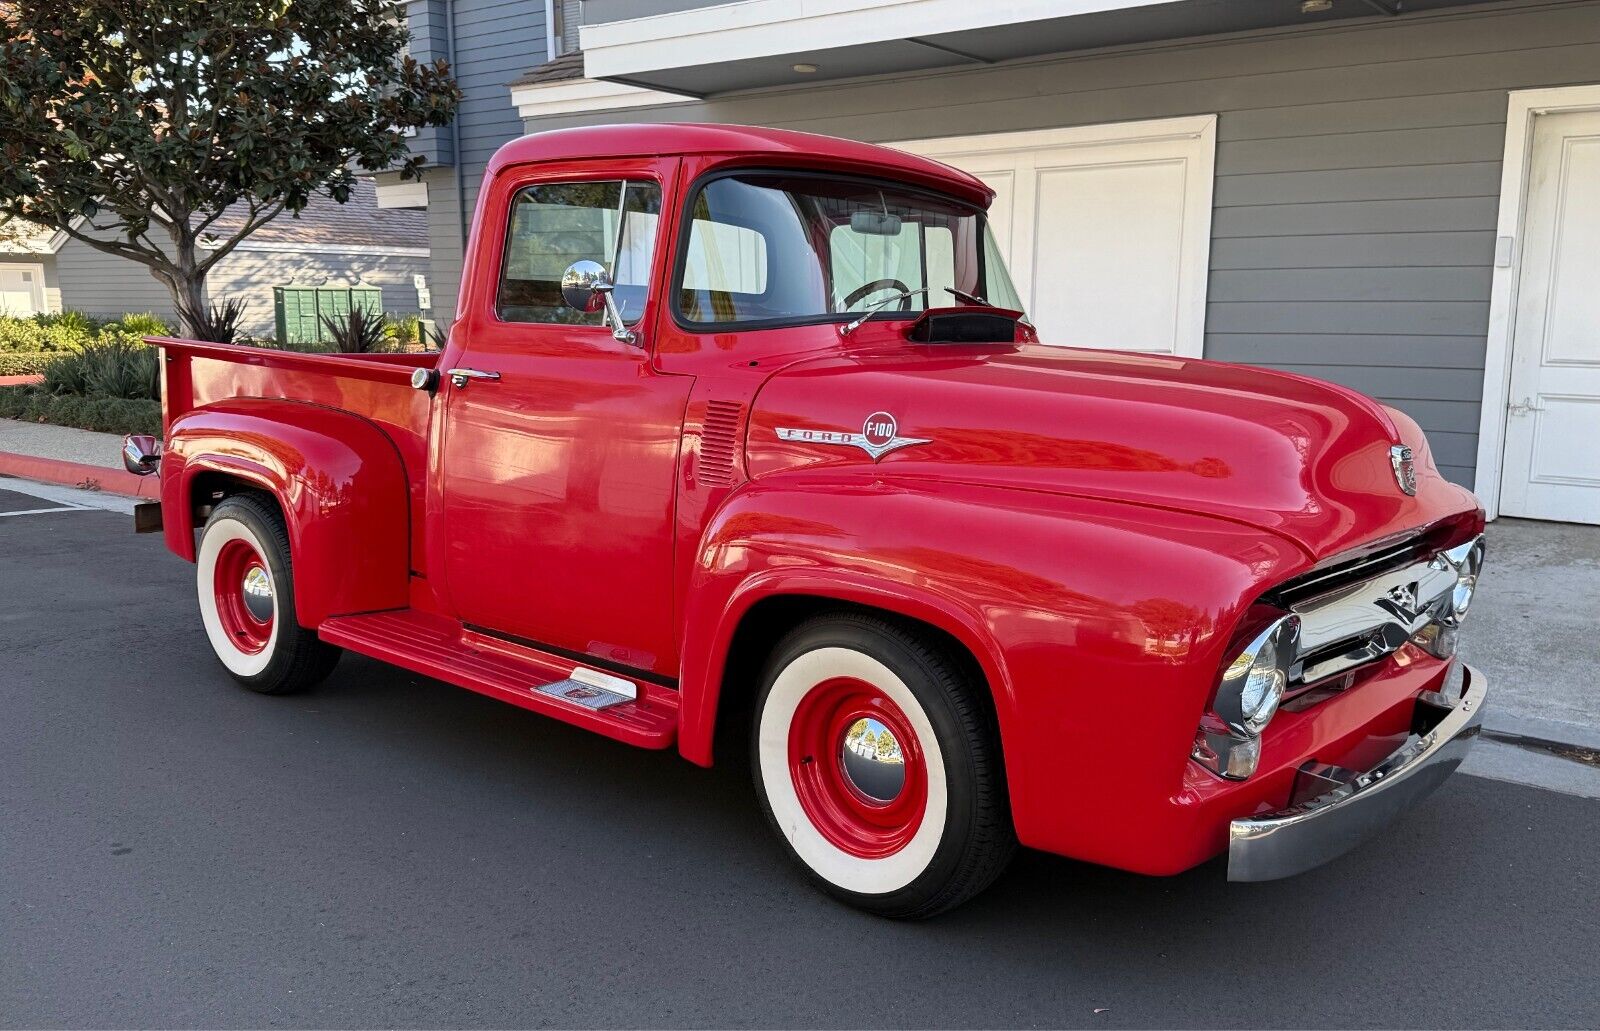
column 556, row 224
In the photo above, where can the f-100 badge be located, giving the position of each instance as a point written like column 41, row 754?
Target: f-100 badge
column 879, row 435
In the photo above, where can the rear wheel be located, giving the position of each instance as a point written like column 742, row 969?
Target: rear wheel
column 880, row 768
column 245, row 583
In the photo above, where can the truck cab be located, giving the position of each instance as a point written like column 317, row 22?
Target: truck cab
column 741, row 442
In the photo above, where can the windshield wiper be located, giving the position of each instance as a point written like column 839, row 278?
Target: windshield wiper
column 855, row 323
column 962, row 295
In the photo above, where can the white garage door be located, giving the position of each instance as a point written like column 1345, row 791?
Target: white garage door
column 1106, row 228
column 21, row 290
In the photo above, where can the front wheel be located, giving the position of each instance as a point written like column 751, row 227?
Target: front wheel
column 245, row 584
column 879, row 767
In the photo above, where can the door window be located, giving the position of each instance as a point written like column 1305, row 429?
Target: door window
column 555, row 224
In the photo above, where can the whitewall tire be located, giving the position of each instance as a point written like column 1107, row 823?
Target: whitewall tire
column 876, row 760
column 245, row 586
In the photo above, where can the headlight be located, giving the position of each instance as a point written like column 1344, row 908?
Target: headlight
column 1253, row 684
column 1467, row 561
column 1247, row 698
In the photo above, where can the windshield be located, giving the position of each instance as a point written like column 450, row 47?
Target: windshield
column 786, row 248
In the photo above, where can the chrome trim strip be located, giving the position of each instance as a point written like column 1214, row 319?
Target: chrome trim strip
column 1282, row 844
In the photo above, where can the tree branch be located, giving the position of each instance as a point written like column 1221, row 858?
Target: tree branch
column 250, row 226
column 154, row 259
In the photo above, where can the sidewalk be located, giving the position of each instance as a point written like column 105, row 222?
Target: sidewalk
column 59, row 454
column 1534, row 628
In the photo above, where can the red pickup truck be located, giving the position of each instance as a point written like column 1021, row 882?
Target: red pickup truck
column 742, row 444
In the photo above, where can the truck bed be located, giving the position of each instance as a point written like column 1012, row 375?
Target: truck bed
column 376, row 387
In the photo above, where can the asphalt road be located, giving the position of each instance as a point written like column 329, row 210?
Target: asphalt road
column 389, row 850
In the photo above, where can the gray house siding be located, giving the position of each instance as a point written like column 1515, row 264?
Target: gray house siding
column 1357, row 175
column 251, row 276
column 495, row 41
column 105, row 285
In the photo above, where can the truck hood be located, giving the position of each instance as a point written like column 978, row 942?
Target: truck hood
column 1295, row 456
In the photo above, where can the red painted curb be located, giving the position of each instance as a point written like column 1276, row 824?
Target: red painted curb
column 20, row 381
column 76, row 474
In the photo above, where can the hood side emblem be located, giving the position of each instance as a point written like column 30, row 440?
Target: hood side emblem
column 879, row 435
column 1405, row 468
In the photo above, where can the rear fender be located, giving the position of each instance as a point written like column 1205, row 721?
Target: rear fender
column 339, row 480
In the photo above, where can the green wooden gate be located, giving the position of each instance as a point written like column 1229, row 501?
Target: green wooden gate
column 299, row 309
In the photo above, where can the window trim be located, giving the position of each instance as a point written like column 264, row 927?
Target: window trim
column 506, row 238
column 686, row 220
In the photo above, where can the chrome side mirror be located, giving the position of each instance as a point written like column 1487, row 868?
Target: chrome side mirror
column 141, row 454
column 586, row 286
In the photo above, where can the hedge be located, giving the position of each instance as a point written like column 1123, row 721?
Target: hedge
column 25, row 363
column 28, row 335
column 106, row 414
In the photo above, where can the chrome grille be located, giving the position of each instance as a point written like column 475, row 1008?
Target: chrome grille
column 1355, row 624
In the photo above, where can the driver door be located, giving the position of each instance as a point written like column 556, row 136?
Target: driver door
column 557, row 477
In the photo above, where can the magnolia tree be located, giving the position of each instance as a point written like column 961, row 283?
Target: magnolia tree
column 144, row 127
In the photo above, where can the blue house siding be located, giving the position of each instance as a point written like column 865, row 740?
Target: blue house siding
column 495, row 41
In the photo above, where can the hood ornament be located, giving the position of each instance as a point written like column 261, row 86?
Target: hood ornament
column 1405, row 468
column 879, row 435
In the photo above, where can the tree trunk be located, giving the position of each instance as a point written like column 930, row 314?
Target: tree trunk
column 188, row 296
column 185, row 282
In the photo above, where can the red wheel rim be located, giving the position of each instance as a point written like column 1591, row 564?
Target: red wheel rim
column 851, row 818
column 239, row 577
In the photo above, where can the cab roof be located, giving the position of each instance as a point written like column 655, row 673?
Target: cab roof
column 792, row 149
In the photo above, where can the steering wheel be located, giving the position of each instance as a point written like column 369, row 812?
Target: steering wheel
column 874, row 287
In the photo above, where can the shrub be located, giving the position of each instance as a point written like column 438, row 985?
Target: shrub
column 143, row 324
column 75, row 321
column 405, row 331
column 117, row 366
column 358, row 332
column 25, row 363
column 105, row 414
column 219, row 323
column 33, row 335
column 67, row 374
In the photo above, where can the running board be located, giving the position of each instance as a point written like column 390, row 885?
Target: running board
column 636, row 713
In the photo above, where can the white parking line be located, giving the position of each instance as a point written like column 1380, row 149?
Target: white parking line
column 76, row 497
column 43, row 511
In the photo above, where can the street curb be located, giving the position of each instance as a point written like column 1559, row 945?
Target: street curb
column 76, row 474
column 20, row 381
column 1534, row 729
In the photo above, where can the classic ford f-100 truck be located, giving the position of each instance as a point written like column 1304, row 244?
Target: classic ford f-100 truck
column 741, row 443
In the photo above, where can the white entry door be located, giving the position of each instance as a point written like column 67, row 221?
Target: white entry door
column 1552, row 451
column 21, row 290
column 1106, row 228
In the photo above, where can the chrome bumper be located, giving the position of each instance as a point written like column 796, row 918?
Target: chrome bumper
column 1282, row 844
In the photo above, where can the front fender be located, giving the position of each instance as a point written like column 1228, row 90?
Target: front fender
column 339, row 480
column 1100, row 626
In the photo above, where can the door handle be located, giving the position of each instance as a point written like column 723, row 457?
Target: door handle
column 459, row 377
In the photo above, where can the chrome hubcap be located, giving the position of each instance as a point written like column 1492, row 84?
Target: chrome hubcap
column 872, row 760
column 257, row 590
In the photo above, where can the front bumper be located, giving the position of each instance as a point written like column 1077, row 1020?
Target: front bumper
column 1311, row 832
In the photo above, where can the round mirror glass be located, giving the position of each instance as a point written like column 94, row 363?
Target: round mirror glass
column 583, row 285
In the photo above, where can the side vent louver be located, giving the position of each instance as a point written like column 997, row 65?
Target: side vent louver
column 719, row 443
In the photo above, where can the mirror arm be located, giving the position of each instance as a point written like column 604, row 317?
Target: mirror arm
column 619, row 332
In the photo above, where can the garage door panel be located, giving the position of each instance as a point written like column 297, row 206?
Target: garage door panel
column 1106, row 228
column 1107, row 261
